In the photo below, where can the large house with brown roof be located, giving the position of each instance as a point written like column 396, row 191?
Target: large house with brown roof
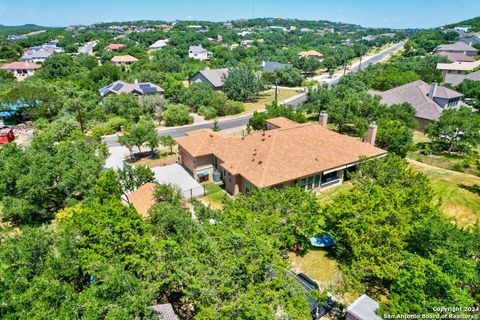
column 123, row 60
column 21, row 70
column 288, row 153
column 428, row 100
column 312, row 54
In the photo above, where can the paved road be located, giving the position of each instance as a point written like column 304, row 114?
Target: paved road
column 242, row 121
column 371, row 60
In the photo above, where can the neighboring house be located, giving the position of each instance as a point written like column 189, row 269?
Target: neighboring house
column 470, row 40
column 463, row 29
column 138, row 89
column 246, row 43
column 6, row 134
column 164, row 312
column 457, row 67
column 428, row 100
column 37, row 56
column 199, row 53
column 312, row 54
column 369, row 38
column 159, row 44
column 21, row 69
column 142, row 199
column 114, row 47
column 456, row 79
column 14, row 37
column 457, row 47
column 308, row 155
column 125, row 60
column 363, row 309
column 457, row 57
column 271, row 66
column 214, row 77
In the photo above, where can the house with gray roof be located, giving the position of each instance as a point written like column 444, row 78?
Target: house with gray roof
column 199, row 53
column 363, row 309
column 457, row 47
column 428, row 100
column 271, row 66
column 137, row 89
column 37, row 55
column 470, row 40
column 455, row 79
column 159, row 44
column 213, row 77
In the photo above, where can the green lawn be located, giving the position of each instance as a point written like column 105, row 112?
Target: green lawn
column 459, row 192
column 452, row 161
column 324, row 270
column 268, row 97
column 215, row 195
column 160, row 158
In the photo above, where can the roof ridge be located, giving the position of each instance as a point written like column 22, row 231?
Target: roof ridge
column 267, row 161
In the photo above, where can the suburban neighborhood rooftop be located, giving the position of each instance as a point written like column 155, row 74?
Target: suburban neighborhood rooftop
column 272, row 157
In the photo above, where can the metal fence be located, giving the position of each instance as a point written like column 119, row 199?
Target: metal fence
column 193, row 193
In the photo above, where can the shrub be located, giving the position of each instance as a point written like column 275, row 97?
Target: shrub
column 177, row 115
column 234, row 107
column 207, row 112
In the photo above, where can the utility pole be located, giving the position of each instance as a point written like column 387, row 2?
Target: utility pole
column 344, row 67
column 79, row 115
column 361, row 55
column 276, row 91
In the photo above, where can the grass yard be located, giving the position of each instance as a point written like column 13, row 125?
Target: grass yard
column 161, row 158
column 268, row 97
column 452, row 161
column 215, row 195
column 324, row 270
column 460, row 192
column 328, row 194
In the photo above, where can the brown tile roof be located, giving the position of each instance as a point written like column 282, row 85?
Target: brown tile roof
column 282, row 122
column 456, row 57
column 21, row 65
column 142, row 199
column 310, row 53
column 126, row 58
column 279, row 155
column 114, row 46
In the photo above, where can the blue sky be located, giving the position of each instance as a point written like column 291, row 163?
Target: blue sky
column 378, row 13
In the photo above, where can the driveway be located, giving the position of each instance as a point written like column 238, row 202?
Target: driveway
column 175, row 174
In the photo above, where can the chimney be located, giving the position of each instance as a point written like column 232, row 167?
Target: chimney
column 263, row 64
column 136, row 81
column 433, row 88
column 323, row 118
column 372, row 133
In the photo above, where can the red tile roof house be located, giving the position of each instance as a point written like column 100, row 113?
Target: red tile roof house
column 114, row 47
column 288, row 153
column 21, row 70
column 123, row 60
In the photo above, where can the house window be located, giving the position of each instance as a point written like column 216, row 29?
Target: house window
column 329, row 177
column 310, row 183
column 302, row 183
column 249, row 187
column 317, row 181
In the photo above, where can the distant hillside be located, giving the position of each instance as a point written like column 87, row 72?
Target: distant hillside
column 23, row 27
column 474, row 22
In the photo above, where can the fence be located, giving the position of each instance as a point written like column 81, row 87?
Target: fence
column 194, row 193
